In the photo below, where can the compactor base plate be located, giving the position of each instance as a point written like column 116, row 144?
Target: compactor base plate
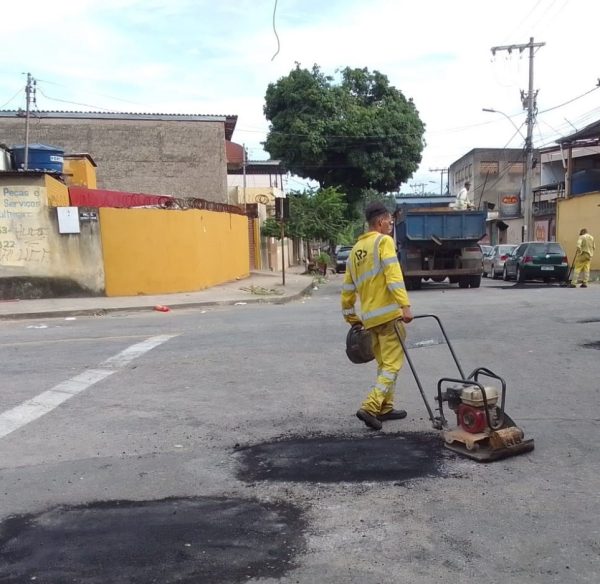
column 485, row 453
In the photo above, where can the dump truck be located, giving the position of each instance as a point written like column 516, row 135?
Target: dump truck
column 439, row 243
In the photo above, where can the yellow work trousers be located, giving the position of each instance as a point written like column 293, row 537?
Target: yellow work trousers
column 389, row 355
column 582, row 264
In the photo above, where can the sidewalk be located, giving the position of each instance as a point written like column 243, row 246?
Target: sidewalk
column 259, row 287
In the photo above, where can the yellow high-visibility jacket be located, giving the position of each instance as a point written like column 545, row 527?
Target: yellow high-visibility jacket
column 373, row 273
column 585, row 244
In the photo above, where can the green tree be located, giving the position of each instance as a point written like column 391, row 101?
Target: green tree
column 315, row 215
column 359, row 133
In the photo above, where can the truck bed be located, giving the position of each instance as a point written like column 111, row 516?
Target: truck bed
column 441, row 225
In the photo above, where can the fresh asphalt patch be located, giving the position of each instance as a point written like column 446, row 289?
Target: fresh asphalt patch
column 399, row 457
column 184, row 541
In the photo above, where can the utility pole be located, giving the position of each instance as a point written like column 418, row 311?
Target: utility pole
column 529, row 103
column 415, row 186
column 29, row 97
column 244, row 172
column 442, row 172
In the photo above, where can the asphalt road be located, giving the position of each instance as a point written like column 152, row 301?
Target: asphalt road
column 220, row 445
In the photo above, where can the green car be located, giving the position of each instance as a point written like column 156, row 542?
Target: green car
column 537, row 260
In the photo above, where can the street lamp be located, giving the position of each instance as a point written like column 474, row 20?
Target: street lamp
column 493, row 111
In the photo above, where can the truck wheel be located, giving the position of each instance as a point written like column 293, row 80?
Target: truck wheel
column 463, row 282
column 475, row 281
column 453, row 279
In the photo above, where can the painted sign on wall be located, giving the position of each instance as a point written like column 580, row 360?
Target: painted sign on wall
column 510, row 206
column 23, row 229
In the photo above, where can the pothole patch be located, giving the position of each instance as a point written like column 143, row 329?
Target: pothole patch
column 182, row 541
column 399, row 457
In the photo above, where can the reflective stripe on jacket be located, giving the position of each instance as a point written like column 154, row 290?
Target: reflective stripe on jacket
column 585, row 244
column 374, row 275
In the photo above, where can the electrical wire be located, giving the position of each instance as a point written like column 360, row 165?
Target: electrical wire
column 569, row 101
column 75, row 102
column 11, row 99
column 514, row 31
column 89, row 92
column 275, row 31
column 545, row 25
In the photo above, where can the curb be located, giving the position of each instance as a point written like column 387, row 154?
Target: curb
column 103, row 311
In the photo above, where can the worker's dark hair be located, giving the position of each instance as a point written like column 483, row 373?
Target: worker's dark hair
column 583, row 231
column 375, row 210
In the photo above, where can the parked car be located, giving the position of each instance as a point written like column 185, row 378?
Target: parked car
column 493, row 263
column 486, row 249
column 341, row 257
column 537, row 260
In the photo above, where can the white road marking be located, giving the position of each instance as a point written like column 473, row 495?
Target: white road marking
column 125, row 357
column 46, row 401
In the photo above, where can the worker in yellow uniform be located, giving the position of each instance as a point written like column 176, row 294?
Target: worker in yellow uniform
column 374, row 275
column 583, row 259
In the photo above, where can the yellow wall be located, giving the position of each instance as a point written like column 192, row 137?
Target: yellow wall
column 156, row 251
column 572, row 215
column 58, row 193
column 79, row 172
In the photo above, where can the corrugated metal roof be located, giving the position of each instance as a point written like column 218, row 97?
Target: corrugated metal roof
column 229, row 120
column 590, row 132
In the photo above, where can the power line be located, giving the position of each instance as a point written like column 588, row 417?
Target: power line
column 90, row 92
column 570, row 100
column 75, row 103
column 13, row 97
column 528, row 15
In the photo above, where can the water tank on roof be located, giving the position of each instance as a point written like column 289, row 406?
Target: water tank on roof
column 5, row 159
column 585, row 181
column 40, row 157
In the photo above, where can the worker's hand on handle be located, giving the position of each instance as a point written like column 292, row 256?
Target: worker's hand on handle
column 407, row 315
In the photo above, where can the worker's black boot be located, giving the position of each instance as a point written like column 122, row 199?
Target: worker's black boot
column 369, row 419
column 392, row 415
column 584, row 285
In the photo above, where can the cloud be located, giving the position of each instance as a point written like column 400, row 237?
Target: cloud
column 195, row 56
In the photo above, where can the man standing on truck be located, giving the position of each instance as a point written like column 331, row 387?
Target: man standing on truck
column 462, row 202
column 373, row 274
column 583, row 258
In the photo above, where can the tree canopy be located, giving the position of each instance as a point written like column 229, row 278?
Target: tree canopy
column 315, row 214
column 358, row 133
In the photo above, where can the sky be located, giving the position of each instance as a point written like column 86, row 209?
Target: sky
column 218, row 57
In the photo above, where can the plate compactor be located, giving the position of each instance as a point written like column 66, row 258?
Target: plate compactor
column 483, row 432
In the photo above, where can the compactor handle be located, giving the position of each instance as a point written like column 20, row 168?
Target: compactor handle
column 450, row 347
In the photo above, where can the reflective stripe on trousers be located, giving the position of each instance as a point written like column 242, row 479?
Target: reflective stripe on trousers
column 390, row 357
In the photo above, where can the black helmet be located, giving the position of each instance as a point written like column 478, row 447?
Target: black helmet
column 359, row 345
